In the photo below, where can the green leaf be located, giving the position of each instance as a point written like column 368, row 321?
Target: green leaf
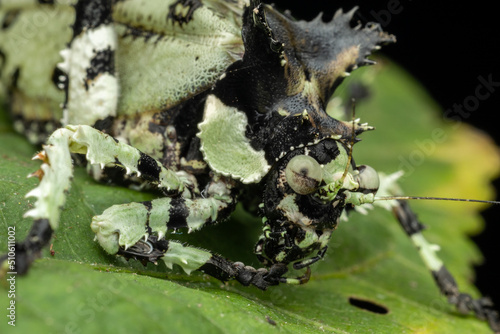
column 80, row 289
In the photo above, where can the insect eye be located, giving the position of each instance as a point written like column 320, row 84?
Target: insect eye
column 368, row 179
column 303, row 174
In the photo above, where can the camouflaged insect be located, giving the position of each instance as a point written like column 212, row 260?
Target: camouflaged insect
column 210, row 102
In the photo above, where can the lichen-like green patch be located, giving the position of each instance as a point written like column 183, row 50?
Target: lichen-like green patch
column 225, row 146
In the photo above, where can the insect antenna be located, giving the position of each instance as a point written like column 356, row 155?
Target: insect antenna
column 388, row 198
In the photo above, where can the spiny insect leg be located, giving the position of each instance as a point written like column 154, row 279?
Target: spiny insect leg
column 56, row 173
column 104, row 150
column 261, row 278
column 482, row 307
column 120, row 227
column 191, row 258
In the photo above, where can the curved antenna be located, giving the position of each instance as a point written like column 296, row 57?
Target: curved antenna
column 388, row 198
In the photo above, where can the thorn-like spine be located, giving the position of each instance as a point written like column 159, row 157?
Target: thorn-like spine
column 38, row 173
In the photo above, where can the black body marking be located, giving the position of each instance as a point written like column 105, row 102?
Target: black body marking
column 38, row 128
column 102, row 62
column 407, row 218
column 105, row 125
column 60, row 79
column 179, row 18
column 10, row 18
column 148, row 168
column 178, row 213
column 149, row 207
column 91, row 14
column 143, row 33
column 15, row 77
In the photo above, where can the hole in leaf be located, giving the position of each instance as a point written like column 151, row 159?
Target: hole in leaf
column 368, row 305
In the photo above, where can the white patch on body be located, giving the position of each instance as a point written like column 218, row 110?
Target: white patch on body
column 100, row 100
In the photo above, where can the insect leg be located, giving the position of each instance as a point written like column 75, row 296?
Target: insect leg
column 55, row 175
column 191, row 258
column 307, row 262
column 143, row 239
column 482, row 307
column 261, row 278
column 120, row 227
column 56, row 172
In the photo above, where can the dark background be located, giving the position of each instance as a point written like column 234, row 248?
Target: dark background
column 446, row 45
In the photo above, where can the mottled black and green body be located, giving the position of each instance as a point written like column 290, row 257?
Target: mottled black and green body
column 210, row 102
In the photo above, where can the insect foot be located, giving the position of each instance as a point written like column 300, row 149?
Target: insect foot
column 262, row 278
